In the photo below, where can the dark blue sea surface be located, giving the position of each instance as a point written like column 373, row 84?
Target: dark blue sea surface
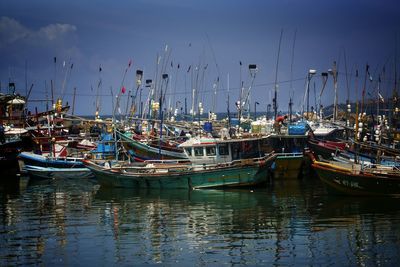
column 77, row 223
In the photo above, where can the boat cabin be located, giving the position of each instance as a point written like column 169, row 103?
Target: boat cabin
column 206, row 150
column 12, row 109
column 328, row 132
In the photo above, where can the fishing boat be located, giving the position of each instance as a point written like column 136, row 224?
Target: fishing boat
column 351, row 178
column 47, row 167
column 326, row 131
column 326, row 148
column 141, row 150
column 12, row 107
column 13, row 137
column 60, row 164
column 213, row 163
column 30, row 158
column 289, row 144
column 38, row 172
column 287, row 165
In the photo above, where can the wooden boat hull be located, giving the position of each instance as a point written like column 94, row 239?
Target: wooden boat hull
column 346, row 181
column 194, row 178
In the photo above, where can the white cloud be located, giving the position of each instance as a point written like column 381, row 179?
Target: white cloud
column 13, row 32
column 54, row 31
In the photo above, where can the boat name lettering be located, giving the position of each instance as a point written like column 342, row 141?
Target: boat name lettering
column 351, row 184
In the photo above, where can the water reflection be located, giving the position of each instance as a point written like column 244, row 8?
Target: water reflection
column 293, row 222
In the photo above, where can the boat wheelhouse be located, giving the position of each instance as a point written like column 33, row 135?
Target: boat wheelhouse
column 209, row 150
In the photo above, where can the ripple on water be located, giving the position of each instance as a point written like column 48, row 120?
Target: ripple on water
column 57, row 224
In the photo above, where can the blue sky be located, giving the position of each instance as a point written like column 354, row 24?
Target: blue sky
column 218, row 34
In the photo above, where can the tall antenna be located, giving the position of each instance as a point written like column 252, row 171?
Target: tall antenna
column 275, row 103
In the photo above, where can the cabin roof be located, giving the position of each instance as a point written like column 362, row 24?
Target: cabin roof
column 210, row 141
column 16, row 101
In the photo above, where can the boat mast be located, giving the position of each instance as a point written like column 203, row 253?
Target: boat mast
column 239, row 103
column 97, row 95
column 53, row 84
column 379, row 121
column 364, row 87
column 393, row 115
column 165, row 80
column 274, row 101
column 174, row 102
column 334, row 73
column 73, row 101
column 291, row 79
column 133, row 105
column 228, row 103
column 348, row 105
column 215, row 85
column 26, row 77
column 253, row 71
column 356, row 134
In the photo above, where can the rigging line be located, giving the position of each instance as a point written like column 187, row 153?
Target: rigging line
column 68, row 74
column 206, row 91
column 214, row 57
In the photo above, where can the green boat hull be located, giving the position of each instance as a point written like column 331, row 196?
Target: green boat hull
column 177, row 179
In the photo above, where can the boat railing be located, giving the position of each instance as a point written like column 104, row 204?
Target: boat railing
column 167, row 161
column 251, row 161
column 164, row 166
column 380, row 169
column 233, row 163
column 154, row 168
column 289, row 154
column 69, row 159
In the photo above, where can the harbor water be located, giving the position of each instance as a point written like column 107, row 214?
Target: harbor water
column 77, row 223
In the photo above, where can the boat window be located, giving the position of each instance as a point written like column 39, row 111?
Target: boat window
column 235, row 147
column 198, row 151
column 210, row 151
column 188, row 151
column 223, row 150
